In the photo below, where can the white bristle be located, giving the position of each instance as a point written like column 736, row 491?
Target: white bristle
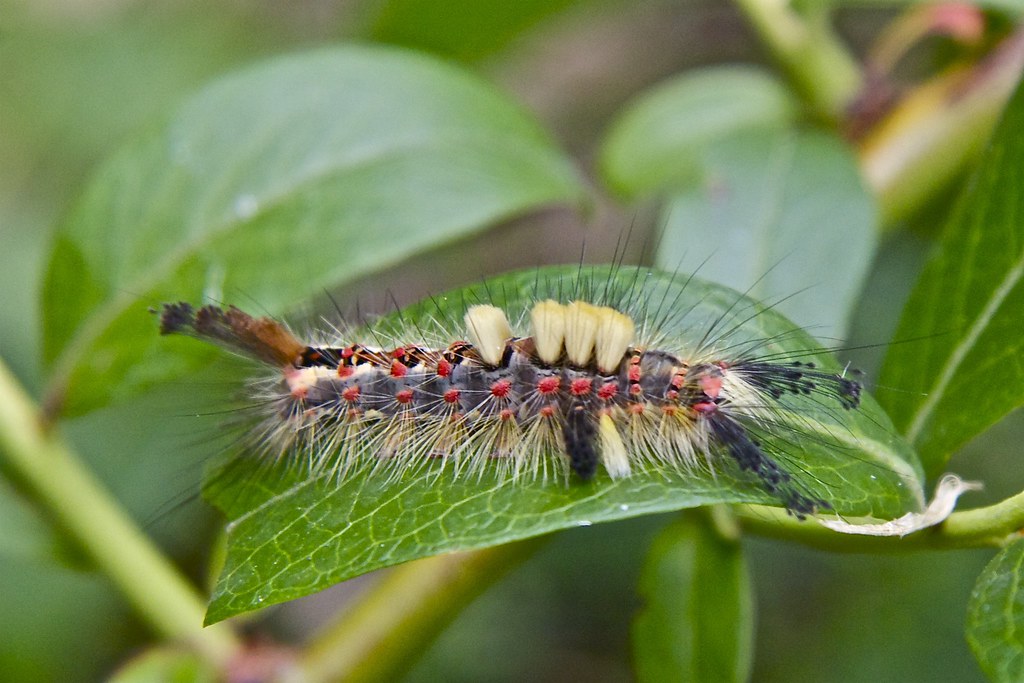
column 614, row 336
column 548, row 321
column 488, row 331
column 581, row 322
column 614, row 455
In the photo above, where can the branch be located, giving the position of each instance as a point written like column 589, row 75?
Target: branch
column 67, row 493
column 393, row 623
column 821, row 69
column 986, row 527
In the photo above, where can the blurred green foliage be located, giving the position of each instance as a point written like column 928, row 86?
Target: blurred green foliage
column 77, row 78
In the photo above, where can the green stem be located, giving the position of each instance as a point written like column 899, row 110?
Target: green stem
column 394, row 622
column 817, row 63
column 67, row 492
column 987, row 527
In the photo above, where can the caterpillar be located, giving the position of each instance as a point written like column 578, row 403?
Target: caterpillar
column 578, row 380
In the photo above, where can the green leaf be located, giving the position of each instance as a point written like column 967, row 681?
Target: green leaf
column 697, row 623
column 761, row 207
column 958, row 367
column 291, row 534
column 995, row 616
column 657, row 142
column 464, row 29
column 783, row 216
column 277, row 181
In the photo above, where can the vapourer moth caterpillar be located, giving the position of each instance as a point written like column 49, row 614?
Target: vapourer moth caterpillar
column 558, row 396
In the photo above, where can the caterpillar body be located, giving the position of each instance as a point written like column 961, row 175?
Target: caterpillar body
column 579, row 381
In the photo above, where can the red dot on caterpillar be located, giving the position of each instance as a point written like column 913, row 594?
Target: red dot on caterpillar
column 501, row 388
column 581, row 386
column 398, row 369
column 548, row 385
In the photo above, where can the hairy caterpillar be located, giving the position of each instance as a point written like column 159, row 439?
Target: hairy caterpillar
column 584, row 377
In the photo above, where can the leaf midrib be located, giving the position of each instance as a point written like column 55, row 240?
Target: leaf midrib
column 960, row 351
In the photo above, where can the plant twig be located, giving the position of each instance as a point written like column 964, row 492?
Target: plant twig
column 66, row 492
column 380, row 636
column 987, row 527
column 820, row 67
